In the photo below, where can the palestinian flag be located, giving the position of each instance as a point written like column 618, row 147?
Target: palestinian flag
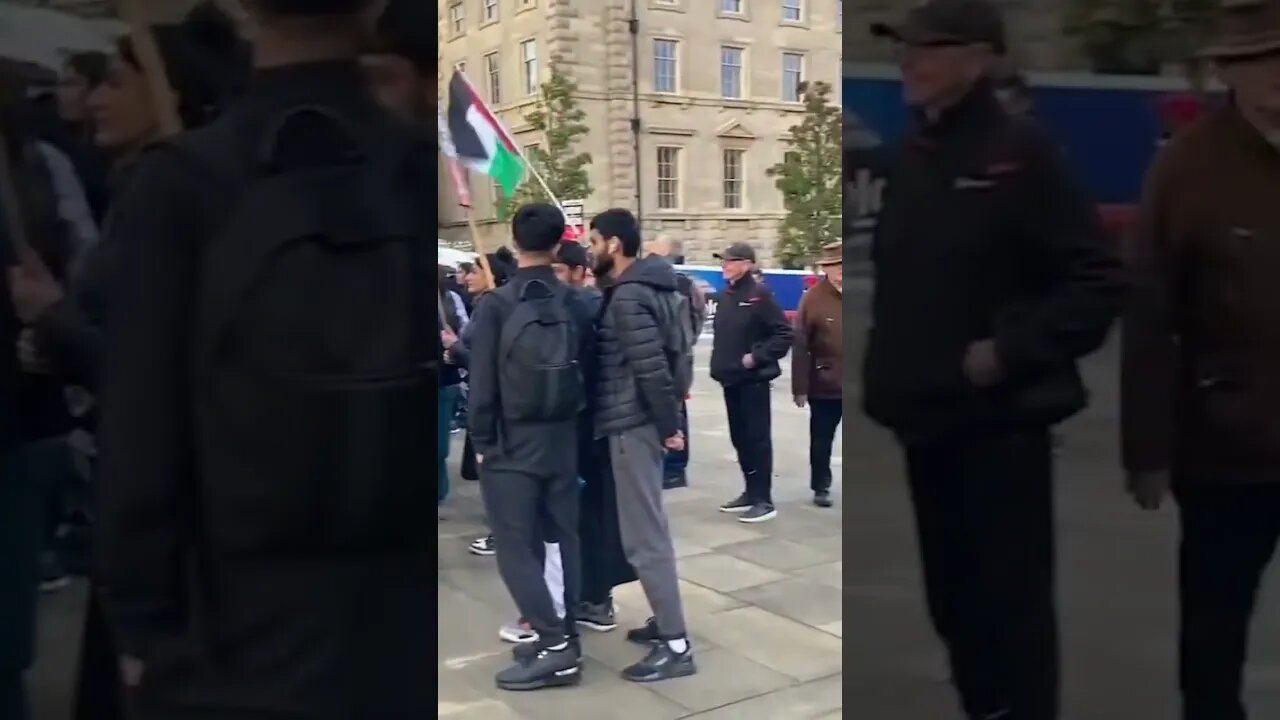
column 482, row 143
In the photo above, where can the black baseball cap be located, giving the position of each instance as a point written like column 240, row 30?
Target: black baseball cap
column 737, row 251
column 948, row 22
column 572, row 254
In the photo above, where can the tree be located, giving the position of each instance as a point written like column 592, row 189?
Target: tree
column 809, row 179
column 1139, row 36
column 559, row 120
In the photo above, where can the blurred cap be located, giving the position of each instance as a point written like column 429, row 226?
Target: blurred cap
column 571, row 253
column 737, row 251
column 948, row 22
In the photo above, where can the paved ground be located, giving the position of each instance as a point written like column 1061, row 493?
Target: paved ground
column 763, row 601
column 766, row 609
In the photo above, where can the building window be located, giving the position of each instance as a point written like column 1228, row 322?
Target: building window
column 457, row 18
column 668, row 178
column 493, row 71
column 792, row 75
column 731, row 72
column 529, row 60
column 490, row 8
column 733, row 7
column 665, row 66
column 733, row 178
column 792, row 10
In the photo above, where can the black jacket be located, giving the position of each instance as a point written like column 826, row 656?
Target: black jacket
column 201, row 619
column 9, row 328
column 983, row 235
column 636, row 387
column 749, row 320
column 535, row 448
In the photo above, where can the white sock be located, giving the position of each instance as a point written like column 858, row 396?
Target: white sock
column 679, row 645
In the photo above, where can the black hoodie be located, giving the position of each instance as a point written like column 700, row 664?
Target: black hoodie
column 636, row 387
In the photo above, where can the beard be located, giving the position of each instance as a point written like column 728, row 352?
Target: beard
column 603, row 266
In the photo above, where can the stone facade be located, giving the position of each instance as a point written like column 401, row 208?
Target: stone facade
column 591, row 42
column 1036, row 37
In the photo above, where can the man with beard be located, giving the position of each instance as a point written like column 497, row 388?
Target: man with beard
column 638, row 411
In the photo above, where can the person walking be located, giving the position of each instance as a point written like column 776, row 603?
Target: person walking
column 817, row 367
column 993, row 277
column 751, row 336
column 1200, row 394
column 263, row 550
column 637, row 411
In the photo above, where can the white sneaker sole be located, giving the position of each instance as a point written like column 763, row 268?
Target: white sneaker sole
column 516, row 637
column 763, row 518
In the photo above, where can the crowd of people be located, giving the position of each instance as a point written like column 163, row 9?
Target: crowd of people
column 221, row 378
column 575, row 432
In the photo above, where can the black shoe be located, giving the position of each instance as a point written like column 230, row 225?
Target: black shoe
column 525, row 652
column 739, row 504
column 822, row 498
column 543, row 668
column 484, row 546
column 645, row 635
column 759, row 513
column 671, row 482
column 662, row 663
column 596, row 617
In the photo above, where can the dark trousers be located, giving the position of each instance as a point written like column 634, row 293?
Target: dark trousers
column 824, row 417
column 523, row 509
column 751, row 430
column 99, row 692
column 984, row 515
column 21, row 539
column 1229, row 535
column 676, row 462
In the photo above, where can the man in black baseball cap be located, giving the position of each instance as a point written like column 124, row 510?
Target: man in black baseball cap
column 993, row 278
column 947, row 46
column 737, row 252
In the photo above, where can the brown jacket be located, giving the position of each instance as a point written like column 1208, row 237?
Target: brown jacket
column 1200, row 390
column 818, row 346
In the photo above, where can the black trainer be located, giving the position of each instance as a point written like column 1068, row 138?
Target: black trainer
column 527, row 651
column 598, row 617
column 759, row 513
column 543, row 667
column 646, row 634
column 822, row 498
column 662, row 663
column 739, row 504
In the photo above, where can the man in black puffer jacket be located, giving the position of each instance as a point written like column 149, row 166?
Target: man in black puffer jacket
column 638, row 410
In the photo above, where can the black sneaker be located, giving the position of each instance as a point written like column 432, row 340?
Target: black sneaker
column 527, row 651
column 674, row 481
column 484, row 547
column 596, row 617
column 646, row 634
column 543, row 668
column 739, row 504
column 759, row 513
column 662, row 663
column 822, row 498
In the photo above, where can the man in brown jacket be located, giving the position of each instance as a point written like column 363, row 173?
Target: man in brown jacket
column 1201, row 371
column 816, row 362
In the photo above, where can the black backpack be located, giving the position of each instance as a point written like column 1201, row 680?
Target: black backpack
column 678, row 339
column 540, row 377
column 312, row 357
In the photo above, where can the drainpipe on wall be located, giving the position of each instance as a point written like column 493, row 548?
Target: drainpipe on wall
column 635, row 107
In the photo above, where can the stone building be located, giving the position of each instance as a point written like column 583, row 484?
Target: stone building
column 715, row 98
